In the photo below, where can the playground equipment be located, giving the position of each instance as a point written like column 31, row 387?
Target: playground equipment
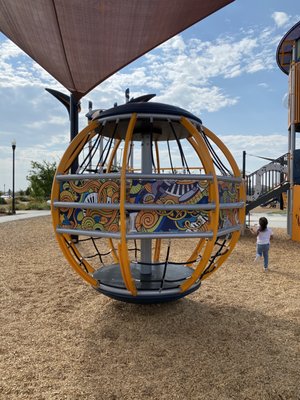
column 267, row 184
column 288, row 60
column 96, row 200
column 149, row 179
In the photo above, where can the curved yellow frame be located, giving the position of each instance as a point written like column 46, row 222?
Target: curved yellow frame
column 64, row 240
column 206, row 245
column 203, row 153
column 109, row 165
column 123, row 249
column 242, row 197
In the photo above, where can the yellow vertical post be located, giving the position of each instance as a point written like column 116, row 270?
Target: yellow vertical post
column 296, row 214
column 109, row 165
column 63, row 167
column 123, row 250
column 203, row 153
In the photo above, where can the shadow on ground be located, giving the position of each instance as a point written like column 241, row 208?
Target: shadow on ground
column 190, row 349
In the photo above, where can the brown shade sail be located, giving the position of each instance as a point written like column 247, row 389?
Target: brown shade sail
column 81, row 43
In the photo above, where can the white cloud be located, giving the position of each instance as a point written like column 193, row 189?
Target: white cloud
column 10, row 50
column 271, row 145
column 187, row 72
column 24, row 156
column 179, row 62
column 17, row 69
column 196, row 99
column 53, row 120
column 263, row 85
column 182, row 71
column 176, row 44
column 280, row 18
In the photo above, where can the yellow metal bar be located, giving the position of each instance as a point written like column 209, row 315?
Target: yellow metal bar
column 234, row 238
column 235, row 170
column 63, row 167
column 242, row 197
column 109, row 165
column 297, row 94
column 180, row 168
column 85, row 263
column 163, row 169
column 74, row 148
column 224, row 149
column 197, row 250
column 127, row 279
column 113, row 153
column 203, row 153
column 234, row 166
column 61, row 239
column 72, row 261
column 157, row 250
column 201, row 242
column 113, row 250
column 123, row 250
column 296, row 214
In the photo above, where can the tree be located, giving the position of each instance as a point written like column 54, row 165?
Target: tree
column 41, row 178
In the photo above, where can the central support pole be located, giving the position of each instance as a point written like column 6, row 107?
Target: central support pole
column 146, row 244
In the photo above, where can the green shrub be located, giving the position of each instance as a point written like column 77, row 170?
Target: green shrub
column 41, row 179
column 2, row 201
column 23, row 198
column 37, row 205
column 21, row 206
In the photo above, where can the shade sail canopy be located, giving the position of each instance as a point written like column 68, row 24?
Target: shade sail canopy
column 81, row 43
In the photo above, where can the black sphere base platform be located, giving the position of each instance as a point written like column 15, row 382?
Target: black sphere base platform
column 151, row 288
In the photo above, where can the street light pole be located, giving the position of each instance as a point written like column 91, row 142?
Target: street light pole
column 13, row 145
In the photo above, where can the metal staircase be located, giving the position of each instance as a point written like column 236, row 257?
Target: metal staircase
column 267, row 183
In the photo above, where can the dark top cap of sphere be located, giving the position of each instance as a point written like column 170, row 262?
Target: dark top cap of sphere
column 146, row 108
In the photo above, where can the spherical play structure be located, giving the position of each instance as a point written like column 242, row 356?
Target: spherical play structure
column 141, row 181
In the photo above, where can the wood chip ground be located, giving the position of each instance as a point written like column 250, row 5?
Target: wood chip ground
column 236, row 338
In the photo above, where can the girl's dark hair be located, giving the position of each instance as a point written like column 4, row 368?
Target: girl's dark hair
column 263, row 222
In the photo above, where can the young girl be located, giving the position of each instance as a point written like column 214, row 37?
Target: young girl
column 263, row 237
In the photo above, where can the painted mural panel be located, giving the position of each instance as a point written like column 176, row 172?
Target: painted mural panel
column 181, row 192
column 95, row 191
column 163, row 192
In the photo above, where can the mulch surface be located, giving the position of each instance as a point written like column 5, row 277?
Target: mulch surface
column 237, row 337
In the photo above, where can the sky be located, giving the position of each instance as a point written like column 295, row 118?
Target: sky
column 223, row 69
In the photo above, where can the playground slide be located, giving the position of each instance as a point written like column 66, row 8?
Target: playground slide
column 267, row 184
